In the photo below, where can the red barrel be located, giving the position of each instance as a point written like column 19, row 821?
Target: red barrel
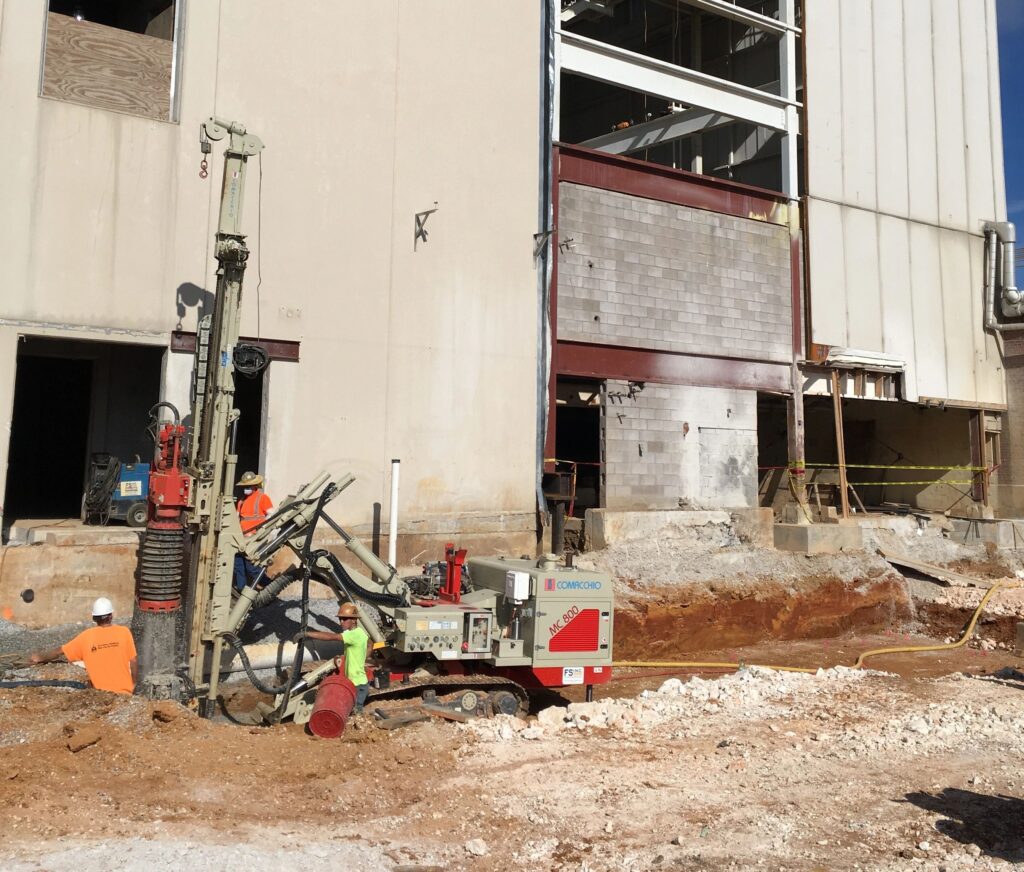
column 334, row 701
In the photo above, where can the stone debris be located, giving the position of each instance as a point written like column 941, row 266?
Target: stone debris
column 752, row 692
column 477, row 847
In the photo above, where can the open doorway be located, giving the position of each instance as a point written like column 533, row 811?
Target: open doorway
column 578, row 443
column 249, row 394
column 73, row 398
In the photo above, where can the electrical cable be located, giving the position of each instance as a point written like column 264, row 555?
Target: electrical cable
column 44, row 682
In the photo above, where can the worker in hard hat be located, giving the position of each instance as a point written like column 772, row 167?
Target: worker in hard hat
column 107, row 650
column 356, row 641
column 254, row 507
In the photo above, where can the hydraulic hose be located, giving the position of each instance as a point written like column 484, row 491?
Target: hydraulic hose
column 383, row 599
column 859, row 664
column 270, row 689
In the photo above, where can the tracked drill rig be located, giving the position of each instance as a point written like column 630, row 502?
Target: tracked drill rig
column 479, row 631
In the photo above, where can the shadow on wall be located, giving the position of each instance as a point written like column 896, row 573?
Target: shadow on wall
column 993, row 823
column 191, row 296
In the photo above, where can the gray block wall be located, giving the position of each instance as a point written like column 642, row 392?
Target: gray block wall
column 646, row 274
column 671, row 446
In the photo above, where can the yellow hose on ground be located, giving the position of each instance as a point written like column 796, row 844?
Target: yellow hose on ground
column 874, row 652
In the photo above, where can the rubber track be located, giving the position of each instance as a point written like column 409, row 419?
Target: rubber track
column 452, row 684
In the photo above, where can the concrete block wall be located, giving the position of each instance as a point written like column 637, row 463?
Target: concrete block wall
column 646, row 274
column 671, row 446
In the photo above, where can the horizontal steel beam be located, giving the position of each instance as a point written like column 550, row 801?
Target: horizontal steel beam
column 659, row 131
column 615, row 66
column 744, row 16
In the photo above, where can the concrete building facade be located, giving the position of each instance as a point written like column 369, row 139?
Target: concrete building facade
column 660, row 235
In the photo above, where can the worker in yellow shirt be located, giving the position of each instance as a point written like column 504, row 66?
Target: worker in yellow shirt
column 108, row 651
column 356, row 641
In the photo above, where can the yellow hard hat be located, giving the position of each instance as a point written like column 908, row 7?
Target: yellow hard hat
column 348, row 610
column 250, row 478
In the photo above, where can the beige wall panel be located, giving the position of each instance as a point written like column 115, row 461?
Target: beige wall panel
column 476, row 267
column 890, row 108
column 995, row 116
column 824, row 90
column 929, row 327
column 949, row 114
column 828, row 273
column 863, row 294
column 919, row 95
column 8, row 369
column 858, row 103
column 958, row 315
column 981, row 205
column 898, row 307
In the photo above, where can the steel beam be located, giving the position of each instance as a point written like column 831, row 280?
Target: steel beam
column 636, row 72
column 659, row 131
column 787, row 88
column 744, row 16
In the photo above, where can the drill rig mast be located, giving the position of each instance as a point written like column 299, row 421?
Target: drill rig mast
column 483, row 623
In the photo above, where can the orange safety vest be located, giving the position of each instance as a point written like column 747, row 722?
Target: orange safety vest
column 253, row 509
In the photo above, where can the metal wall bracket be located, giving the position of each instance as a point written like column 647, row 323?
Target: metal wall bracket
column 420, row 230
column 540, row 241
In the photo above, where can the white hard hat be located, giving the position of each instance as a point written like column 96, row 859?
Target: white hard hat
column 102, row 607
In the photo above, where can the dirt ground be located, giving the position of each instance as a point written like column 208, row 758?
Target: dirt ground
column 915, row 764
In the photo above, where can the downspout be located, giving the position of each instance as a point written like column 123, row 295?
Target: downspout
column 1000, row 277
column 545, row 223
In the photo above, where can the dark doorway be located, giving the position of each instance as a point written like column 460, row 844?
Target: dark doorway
column 49, row 438
column 249, row 429
column 578, row 443
column 73, row 398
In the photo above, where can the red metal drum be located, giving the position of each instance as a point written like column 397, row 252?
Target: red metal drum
column 334, row 701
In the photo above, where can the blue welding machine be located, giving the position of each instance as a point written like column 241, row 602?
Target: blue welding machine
column 116, row 491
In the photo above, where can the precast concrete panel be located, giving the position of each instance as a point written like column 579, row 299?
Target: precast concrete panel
column 929, row 325
column 955, row 263
column 827, row 254
column 894, row 277
column 863, row 294
column 974, row 48
column 824, row 92
column 919, row 99
column 890, row 108
column 858, row 103
column 949, row 114
column 917, row 114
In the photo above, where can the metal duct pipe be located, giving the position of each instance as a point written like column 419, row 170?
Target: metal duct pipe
column 1000, row 275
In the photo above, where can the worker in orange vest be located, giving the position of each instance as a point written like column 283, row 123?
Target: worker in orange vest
column 254, row 507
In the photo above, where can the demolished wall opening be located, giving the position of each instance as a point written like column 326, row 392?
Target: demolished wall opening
column 249, row 400
column 73, row 398
column 579, row 444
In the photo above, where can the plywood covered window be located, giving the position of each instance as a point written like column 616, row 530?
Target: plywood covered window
column 120, row 55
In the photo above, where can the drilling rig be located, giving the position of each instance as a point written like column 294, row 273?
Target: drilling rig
column 482, row 631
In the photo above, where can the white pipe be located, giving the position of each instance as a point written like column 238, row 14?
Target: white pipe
column 1001, row 234
column 396, row 466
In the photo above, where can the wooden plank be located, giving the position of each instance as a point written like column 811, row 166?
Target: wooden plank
column 107, row 67
column 401, row 720
column 837, row 407
column 447, row 714
column 945, row 577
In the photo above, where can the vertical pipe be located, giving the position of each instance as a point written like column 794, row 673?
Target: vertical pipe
column 837, row 405
column 396, row 466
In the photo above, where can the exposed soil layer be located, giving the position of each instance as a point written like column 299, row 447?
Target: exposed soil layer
column 947, row 620
column 672, row 622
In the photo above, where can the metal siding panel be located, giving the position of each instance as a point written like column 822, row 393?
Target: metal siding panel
column 919, row 94
column 981, row 204
column 828, row 277
column 898, row 326
column 823, row 85
column 949, row 114
column 863, row 295
column 890, row 108
column 995, row 118
column 858, row 103
column 955, row 263
column 926, row 292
